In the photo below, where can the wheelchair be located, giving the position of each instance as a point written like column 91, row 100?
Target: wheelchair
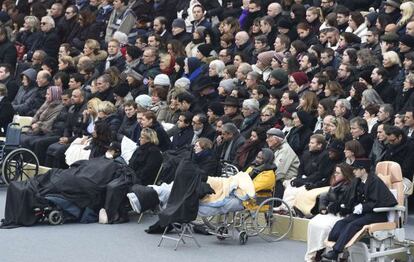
column 255, row 218
column 17, row 163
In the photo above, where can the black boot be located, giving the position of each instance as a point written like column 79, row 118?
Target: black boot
column 331, row 255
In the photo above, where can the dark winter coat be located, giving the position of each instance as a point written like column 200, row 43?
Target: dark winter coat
column 403, row 154
column 182, row 138
column 6, row 114
column 146, row 161
column 298, row 138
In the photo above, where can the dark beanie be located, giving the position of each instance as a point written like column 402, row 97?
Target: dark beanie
column 50, row 62
column 284, row 23
column 366, row 75
column 300, row 78
column 407, row 40
column 205, row 49
column 217, row 108
column 279, row 74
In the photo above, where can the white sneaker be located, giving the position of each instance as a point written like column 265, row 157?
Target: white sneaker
column 103, row 217
column 133, row 200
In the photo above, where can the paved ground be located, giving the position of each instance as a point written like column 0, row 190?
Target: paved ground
column 128, row 242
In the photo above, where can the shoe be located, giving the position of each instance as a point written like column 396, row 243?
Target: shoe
column 103, row 217
column 331, row 255
column 133, row 200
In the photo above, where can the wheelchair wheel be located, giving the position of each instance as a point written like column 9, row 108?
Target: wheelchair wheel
column 269, row 225
column 55, row 217
column 19, row 164
column 213, row 222
column 222, row 232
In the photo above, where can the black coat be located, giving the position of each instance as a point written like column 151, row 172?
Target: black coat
column 374, row 193
column 314, row 165
column 298, row 138
column 163, row 138
column 386, row 92
column 332, row 199
column 74, row 125
column 12, row 87
column 183, row 37
column 6, row 114
column 403, row 154
column 208, row 132
column 182, row 138
column 146, row 161
column 366, row 141
column 49, row 43
column 127, row 126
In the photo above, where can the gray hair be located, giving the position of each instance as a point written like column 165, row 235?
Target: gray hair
column 252, row 104
column 49, row 20
column 230, row 128
column 245, row 68
column 371, row 97
column 345, row 103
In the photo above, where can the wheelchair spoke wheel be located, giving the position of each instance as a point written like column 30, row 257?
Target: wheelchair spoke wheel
column 19, row 164
column 270, row 226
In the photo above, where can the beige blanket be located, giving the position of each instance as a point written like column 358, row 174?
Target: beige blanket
column 306, row 199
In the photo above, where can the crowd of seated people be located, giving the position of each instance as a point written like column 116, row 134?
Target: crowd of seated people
column 320, row 83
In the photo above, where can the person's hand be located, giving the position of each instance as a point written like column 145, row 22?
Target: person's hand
column 296, row 183
column 63, row 140
column 219, row 140
column 358, row 209
column 245, row 5
column 35, row 126
column 310, row 186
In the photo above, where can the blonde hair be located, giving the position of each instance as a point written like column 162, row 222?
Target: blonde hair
column 150, row 135
column 269, row 108
column 106, row 107
column 393, row 57
column 67, row 60
column 316, row 11
column 342, row 127
column 407, row 9
column 94, row 104
column 33, row 22
column 93, row 44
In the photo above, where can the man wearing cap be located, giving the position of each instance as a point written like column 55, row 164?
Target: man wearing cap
column 278, row 79
column 406, row 45
column 392, row 8
column 231, row 110
column 285, row 27
column 389, row 42
column 206, row 89
column 214, row 112
column 286, row 161
column 368, row 192
column 179, row 31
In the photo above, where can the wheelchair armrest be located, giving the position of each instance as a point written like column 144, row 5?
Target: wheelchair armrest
column 388, row 209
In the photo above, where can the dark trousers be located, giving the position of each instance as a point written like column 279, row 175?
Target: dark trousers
column 55, row 155
column 40, row 146
column 346, row 228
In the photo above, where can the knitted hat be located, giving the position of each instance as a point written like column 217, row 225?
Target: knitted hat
column 178, row 22
column 50, row 62
column 134, row 74
column 144, row 101
column 276, row 132
column 407, row 40
column 266, row 58
column 205, row 49
column 279, row 57
column 300, row 78
column 217, row 108
column 121, row 90
column 366, row 75
column 55, row 93
column 182, row 83
column 280, row 75
column 162, row 80
column 284, row 23
column 202, row 83
column 228, row 85
column 4, row 17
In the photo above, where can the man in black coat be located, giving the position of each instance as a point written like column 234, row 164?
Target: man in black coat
column 367, row 192
column 6, row 110
column 179, row 31
column 382, row 86
column 359, row 131
column 202, row 128
column 7, row 79
column 400, row 149
column 185, row 134
column 49, row 40
column 313, row 170
column 130, row 120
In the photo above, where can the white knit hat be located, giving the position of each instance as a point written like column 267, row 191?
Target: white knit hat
column 162, row 80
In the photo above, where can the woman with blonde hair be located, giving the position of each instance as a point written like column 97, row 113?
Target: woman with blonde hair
column 92, row 49
column 392, row 64
column 314, row 17
column 339, row 129
column 333, row 90
column 309, row 103
column 407, row 15
column 29, row 33
column 90, row 114
column 66, row 64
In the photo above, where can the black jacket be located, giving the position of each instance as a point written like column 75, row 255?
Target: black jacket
column 298, row 138
column 127, row 126
column 6, row 114
column 49, row 42
column 386, row 92
column 366, row 141
column 8, row 53
column 403, row 154
column 58, row 125
column 183, row 37
column 182, row 138
column 73, row 125
column 313, row 169
column 146, row 161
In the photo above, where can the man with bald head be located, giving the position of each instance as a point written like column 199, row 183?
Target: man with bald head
column 275, row 11
column 243, row 44
column 409, row 28
column 43, row 81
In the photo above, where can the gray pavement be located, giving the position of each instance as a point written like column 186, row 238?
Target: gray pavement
column 128, row 242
